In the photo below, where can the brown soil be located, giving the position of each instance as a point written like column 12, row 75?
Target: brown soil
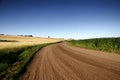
column 63, row 62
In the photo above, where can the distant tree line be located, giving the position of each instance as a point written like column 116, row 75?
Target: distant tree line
column 26, row 35
column 2, row 34
column 20, row 35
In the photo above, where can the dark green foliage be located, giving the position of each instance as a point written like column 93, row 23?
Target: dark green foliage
column 104, row 44
column 9, row 56
column 14, row 60
column 3, row 66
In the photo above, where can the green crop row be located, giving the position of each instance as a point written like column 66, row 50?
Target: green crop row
column 14, row 60
column 104, row 44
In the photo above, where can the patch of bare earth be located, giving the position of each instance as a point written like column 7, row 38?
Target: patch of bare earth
column 62, row 62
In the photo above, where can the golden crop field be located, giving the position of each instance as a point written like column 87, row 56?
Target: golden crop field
column 7, row 41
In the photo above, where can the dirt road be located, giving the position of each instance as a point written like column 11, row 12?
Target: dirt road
column 63, row 62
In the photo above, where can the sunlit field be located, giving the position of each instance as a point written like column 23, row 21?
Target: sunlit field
column 16, row 41
column 17, row 51
column 104, row 44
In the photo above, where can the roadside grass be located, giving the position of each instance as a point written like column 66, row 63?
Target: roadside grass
column 14, row 60
column 103, row 44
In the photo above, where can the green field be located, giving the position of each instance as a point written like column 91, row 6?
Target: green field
column 14, row 60
column 103, row 44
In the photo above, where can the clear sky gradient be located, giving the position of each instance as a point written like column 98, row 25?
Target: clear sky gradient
column 61, row 18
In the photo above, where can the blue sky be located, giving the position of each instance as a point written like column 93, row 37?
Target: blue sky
column 61, row 18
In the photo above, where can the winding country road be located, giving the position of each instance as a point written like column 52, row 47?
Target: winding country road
column 63, row 62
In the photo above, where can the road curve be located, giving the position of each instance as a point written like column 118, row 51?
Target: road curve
column 63, row 62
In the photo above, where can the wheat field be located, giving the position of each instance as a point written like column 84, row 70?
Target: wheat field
column 8, row 41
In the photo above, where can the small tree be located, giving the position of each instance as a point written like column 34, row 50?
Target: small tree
column 48, row 36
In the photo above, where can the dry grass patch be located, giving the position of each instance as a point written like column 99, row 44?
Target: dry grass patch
column 17, row 41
